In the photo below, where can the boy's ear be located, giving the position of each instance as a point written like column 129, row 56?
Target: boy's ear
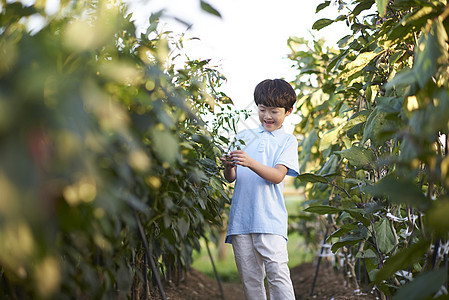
column 287, row 112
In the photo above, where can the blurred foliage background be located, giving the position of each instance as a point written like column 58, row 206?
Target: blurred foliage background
column 374, row 151
column 109, row 175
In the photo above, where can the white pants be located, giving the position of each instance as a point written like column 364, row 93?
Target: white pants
column 256, row 254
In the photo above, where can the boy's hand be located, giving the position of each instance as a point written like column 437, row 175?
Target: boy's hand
column 230, row 168
column 241, row 158
column 227, row 161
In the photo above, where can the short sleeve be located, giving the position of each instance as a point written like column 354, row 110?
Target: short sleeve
column 289, row 157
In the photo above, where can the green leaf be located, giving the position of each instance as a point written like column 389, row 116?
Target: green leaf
column 423, row 286
column 357, row 118
column 420, row 15
column 368, row 253
column 345, row 228
column 309, row 177
column 390, row 105
column 15, row 9
column 437, row 216
column 371, row 265
column 355, row 181
column 183, row 226
column 321, row 23
column 363, row 5
column 357, row 129
column 329, row 138
column 376, row 125
column 362, row 60
column 336, row 61
column 347, row 241
column 340, row 18
column 382, row 6
column 358, row 214
column 343, row 42
column 398, row 33
column 402, row 260
column 431, row 53
column 154, row 17
column 322, row 209
column 330, row 165
column 404, row 78
column 322, row 6
column 384, row 236
column 309, row 141
column 164, row 144
column 358, row 157
column 395, row 57
column 408, row 149
column 208, row 8
column 399, row 191
column 435, row 116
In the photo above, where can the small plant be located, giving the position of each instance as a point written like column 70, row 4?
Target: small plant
column 375, row 143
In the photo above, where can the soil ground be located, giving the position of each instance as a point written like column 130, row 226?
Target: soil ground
column 329, row 285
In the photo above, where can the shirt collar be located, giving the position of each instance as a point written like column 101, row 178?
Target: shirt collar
column 277, row 132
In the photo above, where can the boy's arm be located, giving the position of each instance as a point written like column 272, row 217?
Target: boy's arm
column 229, row 172
column 274, row 175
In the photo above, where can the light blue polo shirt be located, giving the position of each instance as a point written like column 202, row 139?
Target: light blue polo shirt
column 258, row 205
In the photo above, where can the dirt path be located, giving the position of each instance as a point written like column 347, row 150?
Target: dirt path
column 329, row 285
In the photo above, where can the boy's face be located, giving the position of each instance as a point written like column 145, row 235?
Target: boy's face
column 272, row 118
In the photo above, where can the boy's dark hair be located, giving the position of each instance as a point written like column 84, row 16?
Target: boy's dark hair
column 275, row 93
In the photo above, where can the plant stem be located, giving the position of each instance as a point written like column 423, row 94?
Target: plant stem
column 319, row 262
column 215, row 269
column 149, row 256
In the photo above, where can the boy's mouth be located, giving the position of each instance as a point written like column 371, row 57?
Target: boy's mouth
column 269, row 122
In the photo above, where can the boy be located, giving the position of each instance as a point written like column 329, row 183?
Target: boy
column 257, row 226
